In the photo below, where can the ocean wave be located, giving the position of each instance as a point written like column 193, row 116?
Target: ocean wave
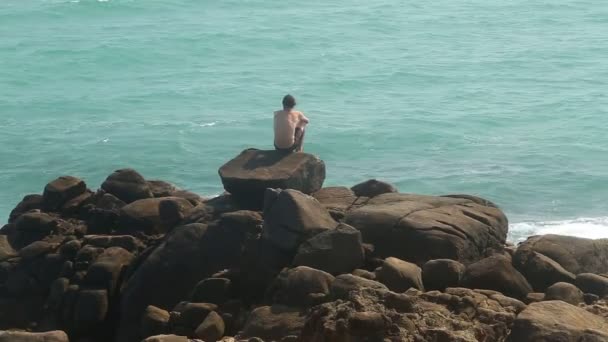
column 585, row 227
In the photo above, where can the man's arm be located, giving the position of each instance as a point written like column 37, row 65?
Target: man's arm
column 303, row 119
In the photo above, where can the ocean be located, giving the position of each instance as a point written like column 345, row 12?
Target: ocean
column 502, row 99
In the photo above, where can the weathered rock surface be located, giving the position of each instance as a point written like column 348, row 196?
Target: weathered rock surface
column 273, row 323
column 6, row 250
column 19, row 336
column 61, row 190
column 212, row 328
column 421, row 228
column 377, row 315
column 577, row 255
column 440, row 274
column 337, row 200
column 496, row 273
column 399, row 275
column 128, row 185
column 373, row 188
column 147, row 214
column 540, row 270
column 558, row 321
column 253, row 171
column 29, row 202
column 154, row 321
column 592, row 283
column 301, row 286
column 335, row 251
column 566, row 292
column 291, row 217
column 344, row 284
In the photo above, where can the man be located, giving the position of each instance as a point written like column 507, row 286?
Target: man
column 289, row 125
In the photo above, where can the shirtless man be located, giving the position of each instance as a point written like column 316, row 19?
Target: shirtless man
column 289, row 127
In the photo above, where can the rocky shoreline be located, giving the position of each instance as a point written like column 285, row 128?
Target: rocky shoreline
column 280, row 258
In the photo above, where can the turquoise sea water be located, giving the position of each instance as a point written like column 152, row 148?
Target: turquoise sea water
column 503, row 99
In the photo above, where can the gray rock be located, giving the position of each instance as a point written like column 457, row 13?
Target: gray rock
column 440, row 274
column 399, row 275
column 128, row 185
column 301, row 286
column 592, row 283
column 566, row 292
column 373, row 188
column 496, row 273
column 61, row 190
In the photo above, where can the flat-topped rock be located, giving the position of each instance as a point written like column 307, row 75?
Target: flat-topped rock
column 253, row 171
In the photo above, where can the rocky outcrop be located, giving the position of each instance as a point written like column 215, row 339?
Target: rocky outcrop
column 141, row 259
column 422, row 228
column 253, row 171
column 577, row 255
column 373, row 314
column 558, row 321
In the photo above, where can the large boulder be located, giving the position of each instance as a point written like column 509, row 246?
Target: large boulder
column 558, row 321
column 577, row 255
column 440, row 274
column 373, row 188
column 128, row 185
column 22, row 336
column 592, row 283
column 291, row 217
column 301, row 286
column 154, row 321
column 61, row 190
column 273, row 323
column 496, row 273
column 419, row 228
column 187, row 255
column 335, row 251
column 540, row 270
column 147, row 214
column 253, row 171
column 399, row 275
column 212, row 328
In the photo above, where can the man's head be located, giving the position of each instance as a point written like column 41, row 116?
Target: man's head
column 289, row 102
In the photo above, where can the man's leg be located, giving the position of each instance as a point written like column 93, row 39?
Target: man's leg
column 299, row 139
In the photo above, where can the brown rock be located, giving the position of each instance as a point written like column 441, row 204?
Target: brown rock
column 61, row 190
column 540, row 270
column 577, row 255
column 420, row 228
column 128, row 185
column 301, row 286
column 335, row 251
column 167, row 338
column 212, row 290
column 154, row 321
column 558, row 321
column 145, row 214
column 6, row 250
column 91, row 309
column 399, row 275
column 253, row 171
column 373, row 188
column 337, row 200
column 344, row 284
column 212, row 328
column 440, row 274
column 29, row 202
column 592, row 283
column 273, row 323
column 21, row 336
column 291, row 217
column 496, row 273
column 566, row 292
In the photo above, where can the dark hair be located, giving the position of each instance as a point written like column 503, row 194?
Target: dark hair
column 289, row 101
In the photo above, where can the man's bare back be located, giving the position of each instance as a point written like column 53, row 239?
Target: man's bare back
column 289, row 127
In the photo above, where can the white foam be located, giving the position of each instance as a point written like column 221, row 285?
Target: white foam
column 585, row 227
column 208, row 124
